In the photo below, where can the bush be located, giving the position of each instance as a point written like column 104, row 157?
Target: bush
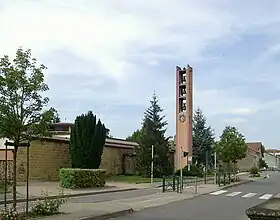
column 82, row 178
column 254, row 170
column 194, row 171
column 45, row 206
column 9, row 214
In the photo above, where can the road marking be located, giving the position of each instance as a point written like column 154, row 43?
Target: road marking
column 249, row 195
column 266, row 196
column 218, row 192
column 234, row 194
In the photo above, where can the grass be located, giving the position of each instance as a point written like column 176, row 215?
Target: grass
column 132, row 179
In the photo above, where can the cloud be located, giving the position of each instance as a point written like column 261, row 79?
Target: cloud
column 109, row 56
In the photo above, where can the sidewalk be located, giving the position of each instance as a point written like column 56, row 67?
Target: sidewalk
column 36, row 188
column 75, row 211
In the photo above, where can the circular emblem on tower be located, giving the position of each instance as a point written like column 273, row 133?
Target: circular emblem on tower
column 182, row 118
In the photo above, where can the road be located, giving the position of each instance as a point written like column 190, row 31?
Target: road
column 228, row 204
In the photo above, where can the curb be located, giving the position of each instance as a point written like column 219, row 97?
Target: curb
column 237, row 184
column 70, row 196
column 109, row 215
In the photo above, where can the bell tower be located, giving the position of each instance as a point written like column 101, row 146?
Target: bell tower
column 184, row 116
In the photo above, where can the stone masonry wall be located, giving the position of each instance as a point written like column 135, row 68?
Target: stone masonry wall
column 46, row 158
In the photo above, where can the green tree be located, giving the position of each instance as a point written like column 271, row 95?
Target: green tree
column 153, row 133
column 56, row 118
column 136, row 136
column 203, row 139
column 23, row 112
column 87, row 140
column 231, row 147
column 262, row 164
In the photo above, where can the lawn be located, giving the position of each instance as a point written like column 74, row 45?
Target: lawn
column 132, row 179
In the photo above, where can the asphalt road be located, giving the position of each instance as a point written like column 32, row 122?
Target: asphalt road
column 229, row 204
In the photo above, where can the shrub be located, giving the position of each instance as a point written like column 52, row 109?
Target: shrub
column 254, row 170
column 82, row 178
column 45, row 206
column 9, row 214
column 194, row 171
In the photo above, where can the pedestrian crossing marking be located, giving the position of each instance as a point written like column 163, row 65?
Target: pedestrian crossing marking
column 249, row 195
column 218, row 192
column 266, row 196
column 234, row 194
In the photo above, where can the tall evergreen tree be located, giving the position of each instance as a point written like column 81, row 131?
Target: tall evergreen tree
column 153, row 133
column 87, row 141
column 203, row 139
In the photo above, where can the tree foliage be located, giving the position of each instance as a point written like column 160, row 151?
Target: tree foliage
column 232, row 146
column 203, row 139
column 153, row 133
column 87, row 141
column 136, row 136
column 23, row 112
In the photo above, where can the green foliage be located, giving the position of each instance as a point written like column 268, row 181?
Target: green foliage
column 46, row 206
column 262, row 163
column 194, row 171
column 82, row 178
column 9, row 214
column 22, row 105
column 203, row 139
column 254, row 170
column 153, row 133
column 87, row 141
column 136, row 136
column 232, row 146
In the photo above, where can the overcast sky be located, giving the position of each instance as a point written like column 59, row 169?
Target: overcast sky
column 109, row 56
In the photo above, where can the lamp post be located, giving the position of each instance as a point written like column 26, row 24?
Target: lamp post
column 152, row 166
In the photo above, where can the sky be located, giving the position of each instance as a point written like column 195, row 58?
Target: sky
column 109, row 56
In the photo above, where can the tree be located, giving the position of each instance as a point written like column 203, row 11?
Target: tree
column 153, row 133
column 87, row 140
column 136, row 136
column 23, row 112
column 262, row 164
column 56, row 118
column 203, row 139
column 232, row 146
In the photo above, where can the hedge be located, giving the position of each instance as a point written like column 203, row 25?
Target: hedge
column 81, row 178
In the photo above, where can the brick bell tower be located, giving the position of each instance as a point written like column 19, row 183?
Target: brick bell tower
column 184, row 115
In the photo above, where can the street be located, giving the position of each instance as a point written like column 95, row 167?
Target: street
column 228, row 204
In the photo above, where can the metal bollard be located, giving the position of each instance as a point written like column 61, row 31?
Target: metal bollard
column 195, row 185
column 163, row 184
column 174, row 186
column 178, row 185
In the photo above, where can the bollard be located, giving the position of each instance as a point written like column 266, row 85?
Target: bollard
column 174, row 186
column 163, row 184
column 195, row 185
column 229, row 178
column 178, row 184
column 224, row 179
column 205, row 175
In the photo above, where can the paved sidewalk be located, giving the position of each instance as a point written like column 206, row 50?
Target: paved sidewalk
column 75, row 211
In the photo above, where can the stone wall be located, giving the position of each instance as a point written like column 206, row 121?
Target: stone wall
column 9, row 170
column 49, row 155
column 248, row 162
column 46, row 158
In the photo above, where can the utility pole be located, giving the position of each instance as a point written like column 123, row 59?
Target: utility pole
column 152, row 166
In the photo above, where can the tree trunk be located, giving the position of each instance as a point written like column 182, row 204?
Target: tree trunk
column 15, row 178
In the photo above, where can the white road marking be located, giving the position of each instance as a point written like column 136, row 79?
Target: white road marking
column 218, row 192
column 249, row 195
column 234, row 194
column 266, row 196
